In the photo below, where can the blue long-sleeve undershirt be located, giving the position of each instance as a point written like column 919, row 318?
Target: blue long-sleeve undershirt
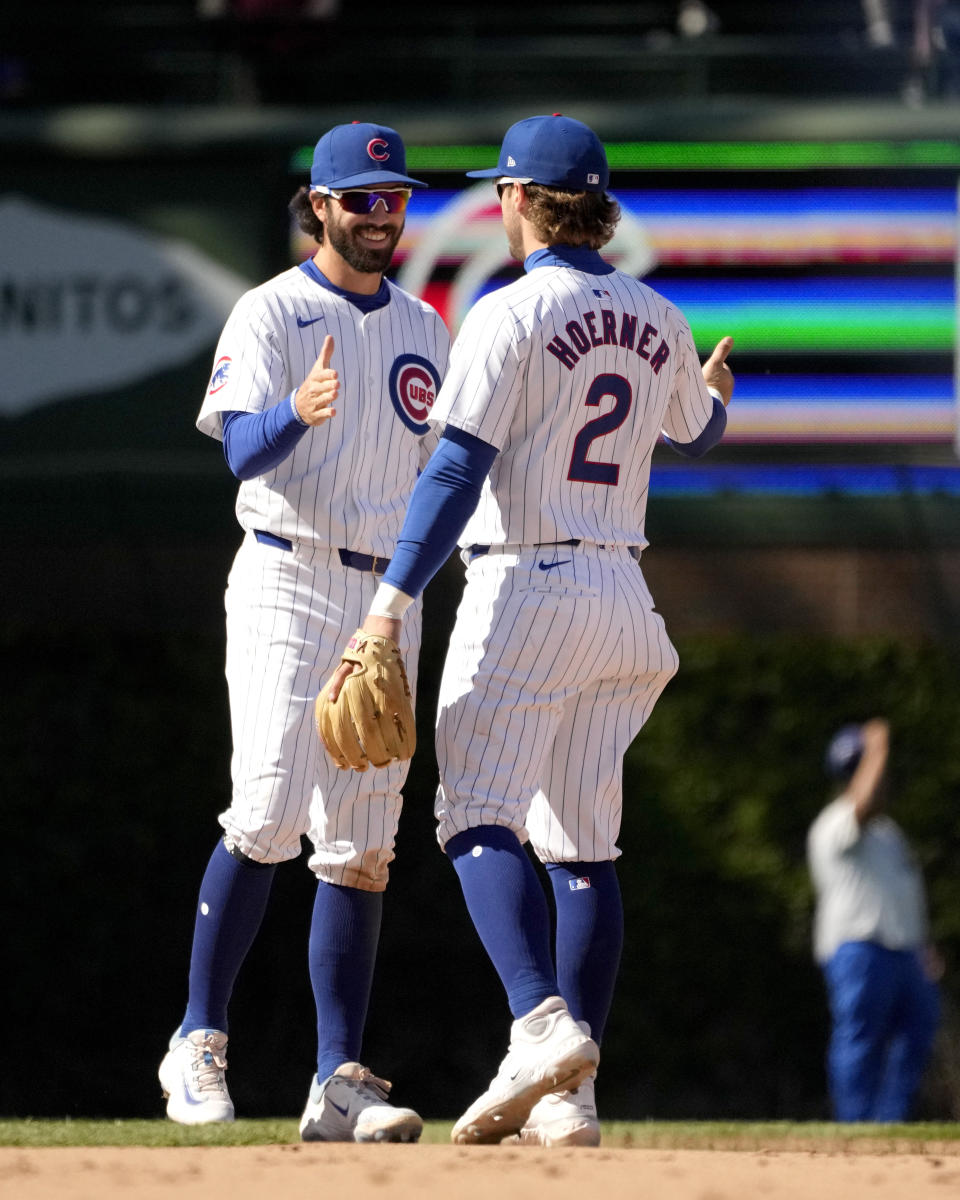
column 254, row 443
column 442, row 502
column 713, row 431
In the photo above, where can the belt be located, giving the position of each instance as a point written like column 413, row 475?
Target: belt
column 349, row 558
column 364, row 562
column 477, row 551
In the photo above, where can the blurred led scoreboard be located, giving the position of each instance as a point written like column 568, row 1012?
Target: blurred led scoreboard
column 832, row 265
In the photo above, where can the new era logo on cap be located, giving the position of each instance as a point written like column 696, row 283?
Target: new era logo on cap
column 556, row 151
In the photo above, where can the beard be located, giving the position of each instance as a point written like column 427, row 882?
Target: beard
column 365, row 259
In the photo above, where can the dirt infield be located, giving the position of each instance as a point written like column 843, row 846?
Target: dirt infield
column 470, row 1173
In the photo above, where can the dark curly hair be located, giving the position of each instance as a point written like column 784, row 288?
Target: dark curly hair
column 301, row 207
column 573, row 218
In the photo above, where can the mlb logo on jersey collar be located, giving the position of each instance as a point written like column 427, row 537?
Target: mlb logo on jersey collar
column 360, row 154
column 556, row 151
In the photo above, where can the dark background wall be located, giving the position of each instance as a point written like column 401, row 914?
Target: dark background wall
column 791, row 614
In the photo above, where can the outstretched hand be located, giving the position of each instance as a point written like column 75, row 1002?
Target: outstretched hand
column 716, row 372
column 315, row 396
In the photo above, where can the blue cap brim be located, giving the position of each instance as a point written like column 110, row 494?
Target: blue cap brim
column 371, row 178
column 489, row 173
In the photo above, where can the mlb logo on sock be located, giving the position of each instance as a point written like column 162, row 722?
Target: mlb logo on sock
column 577, row 885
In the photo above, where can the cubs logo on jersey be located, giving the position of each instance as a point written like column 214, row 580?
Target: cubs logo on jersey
column 221, row 371
column 414, row 383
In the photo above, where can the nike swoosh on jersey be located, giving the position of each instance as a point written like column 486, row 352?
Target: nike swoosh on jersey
column 303, row 324
column 561, row 562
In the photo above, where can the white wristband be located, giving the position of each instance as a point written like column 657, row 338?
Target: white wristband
column 389, row 601
column 296, row 411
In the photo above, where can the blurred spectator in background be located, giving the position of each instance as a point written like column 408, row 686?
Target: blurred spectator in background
column 694, row 19
column 950, row 35
column 870, row 936
column 879, row 19
column 275, row 44
column 929, row 31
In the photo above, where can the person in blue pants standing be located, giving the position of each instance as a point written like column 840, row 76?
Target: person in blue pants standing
column 870, row 937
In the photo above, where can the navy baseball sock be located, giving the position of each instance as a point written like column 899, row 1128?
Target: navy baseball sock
column 509, row 911
column 589, row 937
column 343, row 949
column 233, row 898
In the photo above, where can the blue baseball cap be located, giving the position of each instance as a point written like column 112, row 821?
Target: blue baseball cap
column 360, row 154
column 556, row 151
column 844, row 752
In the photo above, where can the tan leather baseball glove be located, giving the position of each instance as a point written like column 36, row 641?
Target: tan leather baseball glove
column 372, row 719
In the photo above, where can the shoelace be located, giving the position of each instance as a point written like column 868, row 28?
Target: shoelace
column 367, row 1081
column 208, row 1067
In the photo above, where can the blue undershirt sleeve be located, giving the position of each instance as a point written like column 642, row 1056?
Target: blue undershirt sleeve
column 442, row 502
column 712, row 433
column 254, row 443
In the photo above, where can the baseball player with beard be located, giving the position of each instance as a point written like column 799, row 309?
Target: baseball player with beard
column 323, row 380
column 558, row 389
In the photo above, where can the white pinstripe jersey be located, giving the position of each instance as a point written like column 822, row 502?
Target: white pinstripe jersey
column 347, row 481
column 572, row 376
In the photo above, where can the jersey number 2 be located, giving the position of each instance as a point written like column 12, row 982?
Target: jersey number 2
column 583, row 469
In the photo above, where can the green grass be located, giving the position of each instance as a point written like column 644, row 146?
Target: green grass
column 920, row 1138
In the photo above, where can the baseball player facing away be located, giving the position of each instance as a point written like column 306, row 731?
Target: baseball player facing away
column 320, row 389
column 558, row 389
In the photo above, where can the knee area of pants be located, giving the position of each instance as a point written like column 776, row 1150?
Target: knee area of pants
column 481, row 837
column 235, row 852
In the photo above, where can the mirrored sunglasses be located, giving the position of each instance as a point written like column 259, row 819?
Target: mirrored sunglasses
column 361, row 202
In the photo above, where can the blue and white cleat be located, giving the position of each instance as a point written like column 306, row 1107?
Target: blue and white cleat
column 192, row 1076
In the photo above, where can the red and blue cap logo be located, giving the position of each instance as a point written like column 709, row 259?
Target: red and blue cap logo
column 358, row 155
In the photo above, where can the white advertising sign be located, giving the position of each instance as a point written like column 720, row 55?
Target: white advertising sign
column 89, row 303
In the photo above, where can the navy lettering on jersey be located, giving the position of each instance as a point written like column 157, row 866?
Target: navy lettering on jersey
column 566, row 354
column 577, row 336
column 660, row 356
column 591, row 322
column 583, row 469
column 649, row 331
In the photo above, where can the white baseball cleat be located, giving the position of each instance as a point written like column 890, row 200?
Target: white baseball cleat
column 549, row 1052
column 192, row 1078
column 564, row 1119
column 351, row 1106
